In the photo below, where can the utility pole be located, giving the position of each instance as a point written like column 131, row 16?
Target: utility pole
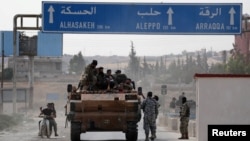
column 1, row 104
column 31, row 74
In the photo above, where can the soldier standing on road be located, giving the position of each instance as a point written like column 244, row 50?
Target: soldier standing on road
column 156, row 98
column 184, row 118
column 150, row 109
column 53, row 121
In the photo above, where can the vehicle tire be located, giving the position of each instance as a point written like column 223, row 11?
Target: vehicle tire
column 75, row 131
column 43, row 129
column 132, row 132
column 48, row 132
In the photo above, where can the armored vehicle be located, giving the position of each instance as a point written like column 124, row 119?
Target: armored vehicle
column 97, row 111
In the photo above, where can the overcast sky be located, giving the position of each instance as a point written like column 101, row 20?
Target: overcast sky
column 119, row 44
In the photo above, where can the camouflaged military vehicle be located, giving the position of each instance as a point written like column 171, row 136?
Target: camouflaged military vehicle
column 92, row 111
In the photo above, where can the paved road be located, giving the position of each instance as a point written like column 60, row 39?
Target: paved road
column 29, row 130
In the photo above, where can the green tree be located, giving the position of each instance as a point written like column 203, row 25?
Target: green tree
column 134, row 64
column 217, row 68
column 77, row 63
column 157, row 69
column 199, row 62
column 236, row 64
column 145, row 70
column 189, row 68
column 162, row 66
column 173, row 71
column 224, row 56
column 204, row 62
column 198, row 66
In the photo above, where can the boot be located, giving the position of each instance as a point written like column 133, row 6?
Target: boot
column 153, row 136
column 186, row 136
column 39, row 133
column 55, row 129
column 146, row 139
column 182, row 137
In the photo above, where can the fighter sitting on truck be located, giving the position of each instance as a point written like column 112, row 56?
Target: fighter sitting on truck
column 88, row 77
column 93, row 79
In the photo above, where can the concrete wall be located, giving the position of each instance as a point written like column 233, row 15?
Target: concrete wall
column 173, row 124
column 221, row 99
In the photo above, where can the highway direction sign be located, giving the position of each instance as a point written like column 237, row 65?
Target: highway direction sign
column 142, row 18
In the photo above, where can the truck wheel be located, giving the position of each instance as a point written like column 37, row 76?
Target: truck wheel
column 75, row 131
column 43, row 130
column 132, row 132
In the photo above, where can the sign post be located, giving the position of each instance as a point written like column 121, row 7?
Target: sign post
column 142, row 18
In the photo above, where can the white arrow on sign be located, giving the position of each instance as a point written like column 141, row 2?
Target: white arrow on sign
column 170, row 19
column 51, row 10
column 232, row 12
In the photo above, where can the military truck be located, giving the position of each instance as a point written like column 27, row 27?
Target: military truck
column 97, row 111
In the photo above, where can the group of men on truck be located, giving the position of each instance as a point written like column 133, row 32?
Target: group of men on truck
column 93, row 78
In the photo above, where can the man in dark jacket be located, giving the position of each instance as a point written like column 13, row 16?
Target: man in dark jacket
column 184, row 118
column 48, row 112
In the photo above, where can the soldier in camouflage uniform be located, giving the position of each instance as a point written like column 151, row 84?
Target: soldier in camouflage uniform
column 88, row 77
column 156, row 98
column 184, row 118
column 150, row 110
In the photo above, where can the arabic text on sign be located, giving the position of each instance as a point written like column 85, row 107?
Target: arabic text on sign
column 151, row 13
column 67, row 10
column 206, row 12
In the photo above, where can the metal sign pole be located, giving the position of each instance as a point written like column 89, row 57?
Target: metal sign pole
column 1, row 104
column 14, row 63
